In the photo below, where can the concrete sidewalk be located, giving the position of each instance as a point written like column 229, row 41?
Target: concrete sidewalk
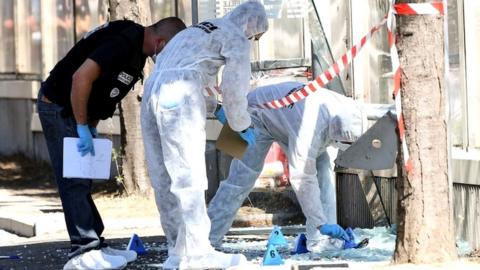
column 29, row 217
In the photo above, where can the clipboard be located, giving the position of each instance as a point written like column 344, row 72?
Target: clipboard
column 88, row 166
column 231, row 143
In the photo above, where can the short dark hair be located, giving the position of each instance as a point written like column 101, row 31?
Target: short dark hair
column 168, row 27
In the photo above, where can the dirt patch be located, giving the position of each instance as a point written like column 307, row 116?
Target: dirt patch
column 126, row 207
column 270, row 202
column 474, row 256
column 475, row 253
column 262, row 209
column 21, row 174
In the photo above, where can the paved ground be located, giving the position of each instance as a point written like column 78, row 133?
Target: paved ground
column 53, row 255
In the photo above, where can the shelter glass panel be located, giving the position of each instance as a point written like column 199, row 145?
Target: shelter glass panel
column 64, row 25
column 372, row 74
column 57, row 31
column 7, row 37
column 28, row 36
column 472, row 43
column 88, row 15
column 161, row 9
column 206, row 10
column 456, row 75
column 285, row 37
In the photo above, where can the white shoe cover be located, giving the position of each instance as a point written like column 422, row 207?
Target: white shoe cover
column 129, row 255
column 172, row 262
column 324, row 244
column 95, row 259
column 214, row 259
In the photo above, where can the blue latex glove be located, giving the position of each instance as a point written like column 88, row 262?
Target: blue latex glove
column 220, row 114
column 94, row 131
column 248, row 135
column 351, row 242
column 335, row 231
column 85, row 144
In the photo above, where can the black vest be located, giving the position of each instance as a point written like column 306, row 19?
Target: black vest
column 117, row 48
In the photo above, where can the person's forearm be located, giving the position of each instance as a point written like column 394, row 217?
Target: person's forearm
column 79, row 98
column 82, row 81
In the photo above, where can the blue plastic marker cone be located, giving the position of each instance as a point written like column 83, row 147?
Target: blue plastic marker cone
column 272, row 257
column 136, row 245
column 276, row 237
column 300, row 245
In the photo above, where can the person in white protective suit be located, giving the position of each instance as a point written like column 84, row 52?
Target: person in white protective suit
column 173, row 119
column 304, row 130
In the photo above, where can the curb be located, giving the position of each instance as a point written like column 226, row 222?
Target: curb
column 18, row 227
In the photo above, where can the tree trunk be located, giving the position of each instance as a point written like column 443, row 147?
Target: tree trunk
column 425, row 231
column 134, row 172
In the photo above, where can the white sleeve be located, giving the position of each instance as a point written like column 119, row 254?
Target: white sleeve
column 236, row 83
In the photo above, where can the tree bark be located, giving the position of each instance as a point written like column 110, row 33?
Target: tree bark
column 134, row 172
column 425, row 230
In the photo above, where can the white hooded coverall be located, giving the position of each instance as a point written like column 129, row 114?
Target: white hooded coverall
column 173, row 117
column 304, row 131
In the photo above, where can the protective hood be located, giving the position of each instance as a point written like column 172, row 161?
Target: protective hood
column 250, row 18
column 349, row 124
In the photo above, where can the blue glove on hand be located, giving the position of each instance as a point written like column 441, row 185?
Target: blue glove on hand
column 348, row 244
column 94, row 131
column 220, row 114
column 248, row 135
column 335, row 231
column 85, row 144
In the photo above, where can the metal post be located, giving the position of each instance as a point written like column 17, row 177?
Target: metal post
column 194, row 11
column 176, row 8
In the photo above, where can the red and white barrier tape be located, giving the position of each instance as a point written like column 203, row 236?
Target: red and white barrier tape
column 405, row 9
column 407, row 162
column 435, row 8
column 325, row 77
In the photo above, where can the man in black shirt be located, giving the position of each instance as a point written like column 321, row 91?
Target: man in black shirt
column 83, row 88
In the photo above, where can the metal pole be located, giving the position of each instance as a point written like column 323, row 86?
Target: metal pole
column 176, row 8
column 194, row 11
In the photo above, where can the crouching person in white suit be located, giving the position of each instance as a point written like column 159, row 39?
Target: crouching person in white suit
column 304, row 130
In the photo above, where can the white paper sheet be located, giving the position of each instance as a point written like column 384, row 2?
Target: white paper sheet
column 88, row 166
